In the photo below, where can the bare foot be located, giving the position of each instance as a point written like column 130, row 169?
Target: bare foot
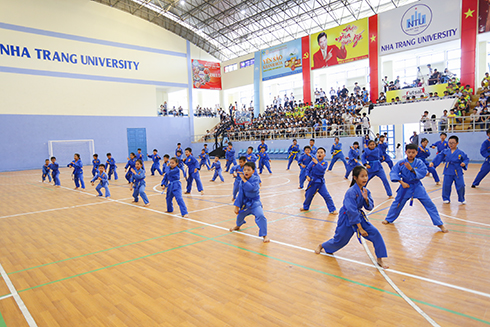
column 382, row 264
column 385, row 222
column 334, row 212
column 236, row 228
column 266, row 239
column 185, row 216
column 76, row 188
column 346, row 179
column 443, row 229
column 147, row 204
column 187, row 192
column 303, row 209
column 437, row 184
column 202, row 192
column 390, row 197
column 168, row 211
column 300, row 188
column 318, row 249
column 134, row 201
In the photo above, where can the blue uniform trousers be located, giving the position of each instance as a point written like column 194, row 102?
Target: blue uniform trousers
column 388, row 161
column 78, row 178
column 140, row 190
column 129, row 175
column 447, row 183
column 194, row 176
column 266, row 164
column 381, row 174
column 350, row 167
column 485, row 168
column 336, row 157
column 319, row 187
column 94, row 171
column 112, row 169
column 175, row 190
column 204, row 162
column 433, row 171
column 156, row 167
column 230, row 163
column 344, row 232
column 56, row 177
column 302, row 177
column 236, row 187
column 260, row 219
column 107, row 192
column 291, row 158
column 48, row 175
column 216, row 174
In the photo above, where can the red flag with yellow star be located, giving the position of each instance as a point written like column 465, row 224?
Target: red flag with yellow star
column 373, row 57
column 469, row 28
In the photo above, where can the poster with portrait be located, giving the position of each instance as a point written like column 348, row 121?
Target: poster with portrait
column 341, row 44
column 206, row 75
column 483, row 16
column 281, row 60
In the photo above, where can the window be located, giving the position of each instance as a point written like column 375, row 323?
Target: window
column 231, row 68
column 246, row 63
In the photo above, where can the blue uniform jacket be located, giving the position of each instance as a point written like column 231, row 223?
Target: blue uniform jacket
column 171, row 175
column 485, row 149
column 177, row 149
column 262, row 146
column 251, row 157
column 453, row 161
column 230, row 154
column 110, row 162
column 45, row 169
column 293, row 148
column 104, row 179
column 382, row 148
column 441, row 146
column 139, row 178
column 336, row 149
column 191, row 163
column 372, row 157
column 264, row 157
column 54, row 167
column 316, row 172
column 131, row 164
column 77, row 166
column 156, row 158
column 353, row 204
column 140, row 157
column 236, row 169
column 423, row 154
column 202, row 156
column 249, row 194
column 401, row 173
column 217, row 166
column 96, row 163
column 353, row 154
column 305, row 160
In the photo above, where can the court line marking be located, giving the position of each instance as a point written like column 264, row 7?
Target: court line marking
column 18, row 300
column 6, row 296
column 54, row 209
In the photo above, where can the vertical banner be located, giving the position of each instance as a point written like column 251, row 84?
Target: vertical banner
column 305, row 50
column 281, row 60
column 206, row 75
column 469, row 20
column 341, row 44
column 257, row 82
column 484, row 16
column 373, row 58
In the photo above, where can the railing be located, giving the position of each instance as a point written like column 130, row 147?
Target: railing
column 414, row 101
column 456, row 124
column 286, row 134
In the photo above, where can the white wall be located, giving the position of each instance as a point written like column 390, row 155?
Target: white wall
column 239, row 77
column 201, row 124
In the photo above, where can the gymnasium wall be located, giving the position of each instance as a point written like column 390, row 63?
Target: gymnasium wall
column 469, row 143
column 239, row 77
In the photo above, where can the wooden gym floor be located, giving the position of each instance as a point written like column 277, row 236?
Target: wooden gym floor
column 71, row 259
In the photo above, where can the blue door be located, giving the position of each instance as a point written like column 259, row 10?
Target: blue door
column 137, row 140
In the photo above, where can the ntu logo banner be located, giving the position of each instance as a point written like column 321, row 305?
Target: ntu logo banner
column 418, row 25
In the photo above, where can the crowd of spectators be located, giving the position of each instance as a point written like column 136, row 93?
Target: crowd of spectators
column 164, row 111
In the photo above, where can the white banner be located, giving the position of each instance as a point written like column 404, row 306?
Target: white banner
column 419, row 24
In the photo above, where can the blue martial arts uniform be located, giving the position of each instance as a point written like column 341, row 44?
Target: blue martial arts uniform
column 248, row 202
column 353, row 161
column 180, row 165
column 139, row 156
column 372, row 157
column 423, row 154
column 171, row 180
column 441, row 146
column 55, row 173
column 253, row 158
column 46, row 173
column 103, row 183
column 230, row 158
column 110, row 167
column 415, row 191
column 316, row 172
column 217, row 171
column 336, row 152
column 77, row 172
column 350, row 215
column 206, row 151
column 262, row 146
column 130, row 164
column 192, row 165
column 181, row 151
column 156, row 164
column 303, row 160
column 453, row 172
column 203, row 160
column 485, row 167
column 95, row 166
column 236, row 184
column 385, row 157
column 293, row 151
column 314, row 149
column 264, row 161
column 139, row 185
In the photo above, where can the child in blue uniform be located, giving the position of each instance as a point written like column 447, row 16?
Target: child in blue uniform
column 138, row 186
column 485, row 167
column 293, row 151
column 101, row 176
column 95, row 164
column 206, row 150
column 139, row 156
column 178, row 149
column 236, row 170
column 193, row 167
column 336, row 152
column 171, row 182
column 456, row 161
column 77, row 171
column 262, row 145
column 111, row 163
column 303, row 163
column 230, row 157
column 55, row 172
column 156, row 162
column 264, row 160
column 315, row 173
column 166, row 164
column 131, row 165
column 46, row 171
column 441, row 145
column 423, row 153
column 352, row 219
column 409, row 172
column 353, row 158
column 181, row 162
column 217, row 170
column 248, row 201
column 313, row 147
column 370, row 159
column 203, row 159
column 383, row 147
column 251, row 157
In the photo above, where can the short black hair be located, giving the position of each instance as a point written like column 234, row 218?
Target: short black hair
column 312, row 140
column 139, row 149
column 262, row 139
column 178, row 143
column 78, row 155
column 355, row 143
column 488, row 131
column 53, row 158
column 411, row 146
column 188, row 149
column 155, row 150
column 307, row 147
column 242, row 158
column 371, row 141
column 140, row 161
column 229, row 143
column 102, row 165
column 109, row 154
column 96, row 155
column 295, row 140
column 175, row 159
column 454, row 137
column 321, row 148
column 443, row 134
column 250, row 164
column 382, row 136
column 251, row 147
column 179, row 151
column 166, row 156
column 205, row 144
column 424, row 139
column 132, row 153
column 322, row 34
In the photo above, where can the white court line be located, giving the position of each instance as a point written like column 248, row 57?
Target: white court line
column 18, row 300
column 6, row 296
column 460, row 288
column 55, row 209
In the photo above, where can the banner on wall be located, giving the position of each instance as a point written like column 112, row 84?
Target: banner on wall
column 206, row 75
column 403, row 94
column 483, row 16
column 281, row 60
column 422, row 24
column 243, row 117
column 341, row 44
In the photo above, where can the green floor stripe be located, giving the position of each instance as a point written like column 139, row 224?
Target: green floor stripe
column 110, row 266
column 2, row 322
column 342, row 278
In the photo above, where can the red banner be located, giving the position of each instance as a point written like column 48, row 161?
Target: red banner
column 305, row 46
column 469, row 20
column 373, row 58
column 206, row 75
